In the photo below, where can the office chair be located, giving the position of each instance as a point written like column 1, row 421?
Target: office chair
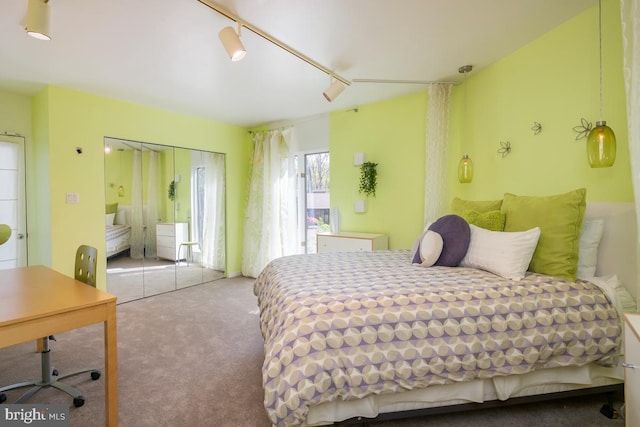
column 85, row 271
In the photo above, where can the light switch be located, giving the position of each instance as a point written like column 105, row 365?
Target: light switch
column 73, row 198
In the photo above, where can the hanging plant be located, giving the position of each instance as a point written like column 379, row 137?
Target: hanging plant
column 368, row 178
column 172, row 191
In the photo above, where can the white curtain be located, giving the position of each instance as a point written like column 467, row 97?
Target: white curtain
column 270, row 218
column 137, row 218
column 152, row 213
column 630, row 16
column 213, row 245
column 437, row 143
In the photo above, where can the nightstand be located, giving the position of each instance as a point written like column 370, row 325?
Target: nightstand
column 351, row 242
column 632, row 369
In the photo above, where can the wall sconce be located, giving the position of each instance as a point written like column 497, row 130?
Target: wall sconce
column 232, row 44
column 121, row 191
column 601, row 142
column 358, row 159
column 360, row 206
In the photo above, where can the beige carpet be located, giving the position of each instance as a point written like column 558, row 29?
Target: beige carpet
column 193, row 357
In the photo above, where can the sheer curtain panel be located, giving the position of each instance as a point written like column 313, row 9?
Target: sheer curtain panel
column 630, row 17
column 213, row 245
column 437, row 143
column 269, row 228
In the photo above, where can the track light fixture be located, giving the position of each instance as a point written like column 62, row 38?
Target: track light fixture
column 38, row 19
column 333, row 90
column 231, row 42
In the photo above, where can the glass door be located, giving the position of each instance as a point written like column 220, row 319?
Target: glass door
column 317, row 208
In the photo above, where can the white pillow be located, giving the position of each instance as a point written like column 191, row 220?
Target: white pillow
column 505, row 253
column 109, row 218
column 430, row 248
column 590, row 237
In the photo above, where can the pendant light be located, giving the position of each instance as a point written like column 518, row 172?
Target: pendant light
column 601, row 142
column 465, row 166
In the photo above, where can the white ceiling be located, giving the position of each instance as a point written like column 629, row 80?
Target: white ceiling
column 166, row 53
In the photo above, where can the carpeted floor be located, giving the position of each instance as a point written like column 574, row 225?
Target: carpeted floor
column 193, row 357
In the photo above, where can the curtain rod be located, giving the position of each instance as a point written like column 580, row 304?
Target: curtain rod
column 273, row 40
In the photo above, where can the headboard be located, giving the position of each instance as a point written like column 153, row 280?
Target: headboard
column 617, row 253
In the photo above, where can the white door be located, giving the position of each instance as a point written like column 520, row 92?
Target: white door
column 12, row 201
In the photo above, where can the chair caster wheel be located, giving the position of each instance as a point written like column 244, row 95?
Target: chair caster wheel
column 55, row 373
column 95, row 375
column 78, row 401
column 3, row 397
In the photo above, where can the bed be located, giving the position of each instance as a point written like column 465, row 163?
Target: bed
column 357, row 335
column 118, row 231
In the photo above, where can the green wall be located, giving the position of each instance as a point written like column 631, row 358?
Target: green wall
column 391, row 134
column 64, row 119
column 554, row 80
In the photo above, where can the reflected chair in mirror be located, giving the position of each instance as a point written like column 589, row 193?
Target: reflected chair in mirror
column 85, row 271
column 188, row 250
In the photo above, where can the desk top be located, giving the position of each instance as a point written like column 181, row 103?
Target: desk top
column 34, row 292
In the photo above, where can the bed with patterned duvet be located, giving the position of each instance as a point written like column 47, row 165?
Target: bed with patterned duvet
column 342, row 327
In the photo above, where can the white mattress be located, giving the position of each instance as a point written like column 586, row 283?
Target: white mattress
column 118, row 238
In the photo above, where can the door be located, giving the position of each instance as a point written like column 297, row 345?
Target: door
column 13, row 201
column 317, row 209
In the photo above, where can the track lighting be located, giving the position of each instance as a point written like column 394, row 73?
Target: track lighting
column 232, row 44
column 38, row 19
column 236, row 51
column 334, row 90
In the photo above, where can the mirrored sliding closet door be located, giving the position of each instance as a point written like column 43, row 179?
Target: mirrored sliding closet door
column 164, row 218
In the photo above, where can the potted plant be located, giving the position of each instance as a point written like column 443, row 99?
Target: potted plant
column 368, row 178
column 172, row 191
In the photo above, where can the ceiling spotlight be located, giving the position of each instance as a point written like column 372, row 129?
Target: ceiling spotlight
column 38, row 19
column 231, row 42
column 334, row 90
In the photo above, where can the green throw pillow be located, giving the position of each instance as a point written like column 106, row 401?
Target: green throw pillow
column 491, row 220
column 460, row 206
column 111, row 208
column 560, row 220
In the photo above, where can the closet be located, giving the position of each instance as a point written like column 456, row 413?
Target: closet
column 164, row 218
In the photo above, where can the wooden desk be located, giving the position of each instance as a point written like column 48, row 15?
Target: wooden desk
column 38, row 301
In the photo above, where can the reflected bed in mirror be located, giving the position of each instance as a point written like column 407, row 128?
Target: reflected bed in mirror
column 164, row 218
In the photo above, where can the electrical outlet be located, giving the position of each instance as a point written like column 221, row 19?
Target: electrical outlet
column 73, row 198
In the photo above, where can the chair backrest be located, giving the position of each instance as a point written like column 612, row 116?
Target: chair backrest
column 86, row 261
column 5, row 233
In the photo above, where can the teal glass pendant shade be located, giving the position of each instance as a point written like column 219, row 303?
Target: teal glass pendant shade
column 601, row 146
column 465, row 170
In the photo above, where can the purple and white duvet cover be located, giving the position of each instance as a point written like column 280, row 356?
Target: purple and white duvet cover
column 347, row 325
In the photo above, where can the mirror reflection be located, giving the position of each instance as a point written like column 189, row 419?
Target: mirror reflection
column 164, row 218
